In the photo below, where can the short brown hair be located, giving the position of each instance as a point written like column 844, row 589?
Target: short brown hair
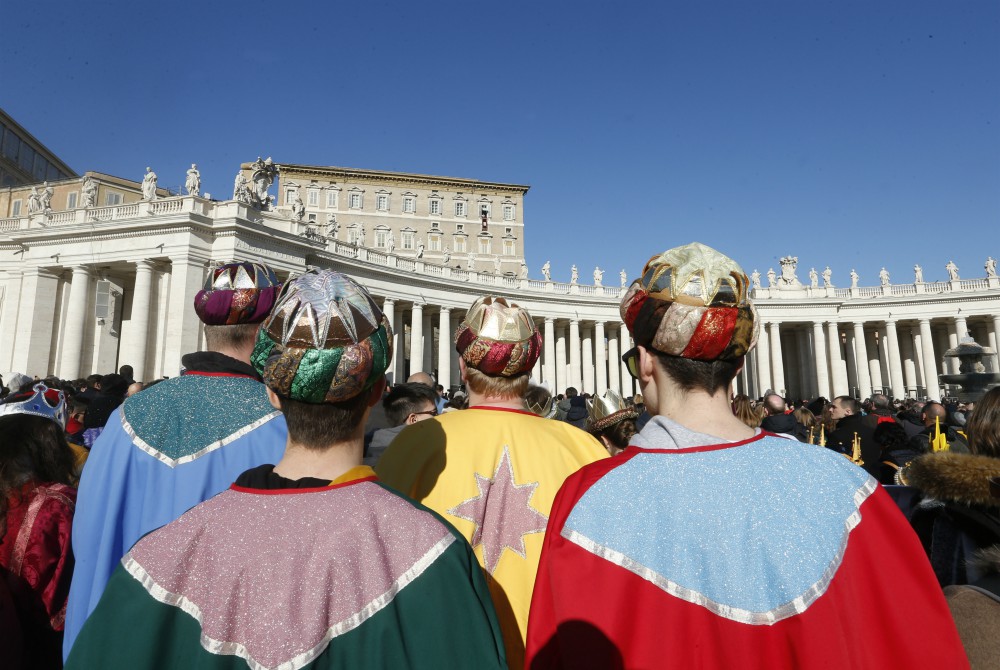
column 691, row 375
column 983, row 425
column 318, row 425
column 496, row 387
column 619, row 434
column 231, row 337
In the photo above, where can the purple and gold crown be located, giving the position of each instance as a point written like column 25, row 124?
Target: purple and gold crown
column 40, row 401
column 498, row 339
column 692, row 302
column 234, row 293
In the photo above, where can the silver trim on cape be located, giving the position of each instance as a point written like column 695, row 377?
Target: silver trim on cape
column 791, row 608
column 221, row 647
column 171, row 462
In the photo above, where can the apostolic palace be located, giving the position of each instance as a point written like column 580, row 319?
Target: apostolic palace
column 98, row 271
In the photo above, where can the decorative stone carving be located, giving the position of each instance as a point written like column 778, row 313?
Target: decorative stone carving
column 918, row 274
column 623, row 278
column 497, row 265
column 360, row 241
column 298, row 207
column 470, row 262
column 420, row 250
column 788, row 266
column 827, row 274
column 193, row 181
column 772, row 278
column 262, row 175
column 755, row 279
column 991, row 267
column 854, row 278
column 598, row 276
column 332, row 227
column 241, row 190
column 883, row 277
column 574, row 275
column 149, row 185
column 447, row 256
column 45, row 198
column 523, row 273
column 390, row 242
column 813, row 278
column 89, row 192
column 952, row 270
column 547, row 271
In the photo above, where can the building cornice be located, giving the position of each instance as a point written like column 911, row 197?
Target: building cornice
column 400, row 178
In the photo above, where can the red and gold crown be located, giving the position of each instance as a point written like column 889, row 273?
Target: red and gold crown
column 498, row 339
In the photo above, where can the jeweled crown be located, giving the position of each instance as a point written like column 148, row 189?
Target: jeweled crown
column 43, row 401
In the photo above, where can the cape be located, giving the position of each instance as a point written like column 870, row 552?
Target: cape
column 164, row 451
column 766, row 553
column 352, row 575
column 492, row 473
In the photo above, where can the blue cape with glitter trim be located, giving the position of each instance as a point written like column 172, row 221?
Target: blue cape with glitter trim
column 163, row 452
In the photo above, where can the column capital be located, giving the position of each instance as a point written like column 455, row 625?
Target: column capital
column 145, row 265
column 81, row 269
column 549, row 319
column 419, row 305
column 445, row 309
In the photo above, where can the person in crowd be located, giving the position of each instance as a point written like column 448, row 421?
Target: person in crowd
column 808, row 422
column 851, row 425
column 181, row 441
column 780, row 421
column 909, row 416
column 959, row 515
column 747, row 411
column 333, row 570
column 110, row 396
column 427, row 380
column 37, row 502
column 639, row 569
column 573, row 408
column 611, row 420
column 897, row 451
column 881, row 410
column 538, row 400
column 127, row 373
column 934, row 418
column 493, row 469
column 404, row 405
column 459, row 400
column 134, row 388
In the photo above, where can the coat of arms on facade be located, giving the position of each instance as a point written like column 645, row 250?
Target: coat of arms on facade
column 254, row 193
column 788, row 278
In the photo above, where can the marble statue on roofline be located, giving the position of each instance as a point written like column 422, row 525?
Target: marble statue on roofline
column 755, row 279
column 623, row 277
column 991, row 267
column 470, row 262
column 193, row 181
column 446, row 257
column 598, row 276
column 788, row 265
column 813, row 278
column 574, row 275
column 262, row 175
column 420, row 250
column 547, row 271
column 952, row 270
column 45, row 199
column 298, row 207
column 34, row 201
column 89, row 192
column 390, row 242
column 149, row 185
column 918, row 274
column 524, row 270
column 772, row 278
column 497, row 264
column 854, row 278
column 241, row 189
column 332, row 227
column 827, row 275
column 883, row 277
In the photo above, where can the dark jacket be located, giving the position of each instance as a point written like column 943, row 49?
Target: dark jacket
column 785, row 423
column 577, row 413
column 898, row 458
column 842, row 438
column 922, row 441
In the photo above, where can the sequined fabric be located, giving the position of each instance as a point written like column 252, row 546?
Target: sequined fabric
column 237, row 293
column 498, row 339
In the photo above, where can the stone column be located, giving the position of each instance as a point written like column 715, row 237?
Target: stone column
column 838, row 384
column 874, row 366
column 549, row 365
column 444, row 347
column 8, row 324
column 135, row 355
column 629, row 385
column 399, row 348
column 961, row 328
column 600, row 364
column 861, row 361
column 456, row 373
column 895, row 359
column 562, row 371
column 778, row 365
column 31, row 350
column 417, row 338
column 614, row 361
column 574, row 354
column 389, row 311
column 763, row 350
column 588, row 360
column 995, row 342
column 187, row 276
column 76, row 316
column 908, row 357
column 930, row 362
column 428, row 345
column 820, row 360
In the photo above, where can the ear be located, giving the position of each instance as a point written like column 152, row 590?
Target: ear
column 411, row 419
column 273, row 398
column 646, row 364
column 461, row 369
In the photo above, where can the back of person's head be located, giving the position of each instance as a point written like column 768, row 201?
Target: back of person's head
column 234, row 301
column 571, row 392
column 891, row 436
column 325, row 368
column 114, row 384
column 421, row 378
column 983, row 425
column 229, row 338
column 933, row 410
column 407, row 399
column 93, row 381
column 612, row 420
column 538, row 400
column 127, row 372
column 805, row 418
column 498, row 345
column 745, row 411
column 693, row 284
column 774, row 404
column 880, row 401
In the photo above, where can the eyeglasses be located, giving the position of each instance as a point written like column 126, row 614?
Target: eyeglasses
column 432, row 412
column 631, row 360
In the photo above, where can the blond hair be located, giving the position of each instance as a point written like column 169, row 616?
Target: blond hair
column 496, row 387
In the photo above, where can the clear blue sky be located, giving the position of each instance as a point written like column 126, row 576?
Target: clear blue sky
column 854, row 134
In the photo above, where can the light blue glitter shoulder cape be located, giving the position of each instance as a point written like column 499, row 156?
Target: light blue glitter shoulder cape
column 164, row 451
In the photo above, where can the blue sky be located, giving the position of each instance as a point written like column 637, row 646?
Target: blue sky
column 850, row 134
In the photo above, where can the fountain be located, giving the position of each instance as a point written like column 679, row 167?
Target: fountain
column 973, row 378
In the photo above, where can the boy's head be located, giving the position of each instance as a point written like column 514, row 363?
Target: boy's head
column 498, row 344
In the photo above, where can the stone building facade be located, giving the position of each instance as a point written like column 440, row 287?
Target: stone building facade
column 92, row 288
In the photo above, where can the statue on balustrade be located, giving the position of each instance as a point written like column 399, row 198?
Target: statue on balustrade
column 89, row 192
column 446, row 257
column 332, row 227
column 470, row 262
column 918, row 274
column 149, row 185
column 298, row 207
column 420, row 250
column 827, row 274
column 772, row 278
column 524, row 270
column 574, row 275
column 623, row 278
column 34, row 201
column 755, row 279
column 45, row 199
column 813, row 278
column 193, row 181
column 991, row 267
column 262, row 175
column 854, row 278
column 390, row 242
column 952, row 270
column 547, row 271
column 360, row 240
column 788, row 266
column 598, row 276
column 883, row 277
column 241, row 189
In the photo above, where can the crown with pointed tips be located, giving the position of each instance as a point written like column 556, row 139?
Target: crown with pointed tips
column 325, row 341
column 40, row 401
column 497, row 338
column 607, row 410
column 239, row 292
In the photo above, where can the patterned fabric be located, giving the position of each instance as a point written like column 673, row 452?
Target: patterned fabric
column 237, row 293
column 493, row 474
column 352, row 575
column 756, row 554
column 164, row 451
column 692, row 302
column 498, row 339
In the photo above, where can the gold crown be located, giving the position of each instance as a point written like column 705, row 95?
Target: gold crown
column 607, row 410
column 696, row 274
column 494, row 319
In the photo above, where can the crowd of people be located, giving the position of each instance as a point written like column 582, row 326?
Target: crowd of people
column 280, row 504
